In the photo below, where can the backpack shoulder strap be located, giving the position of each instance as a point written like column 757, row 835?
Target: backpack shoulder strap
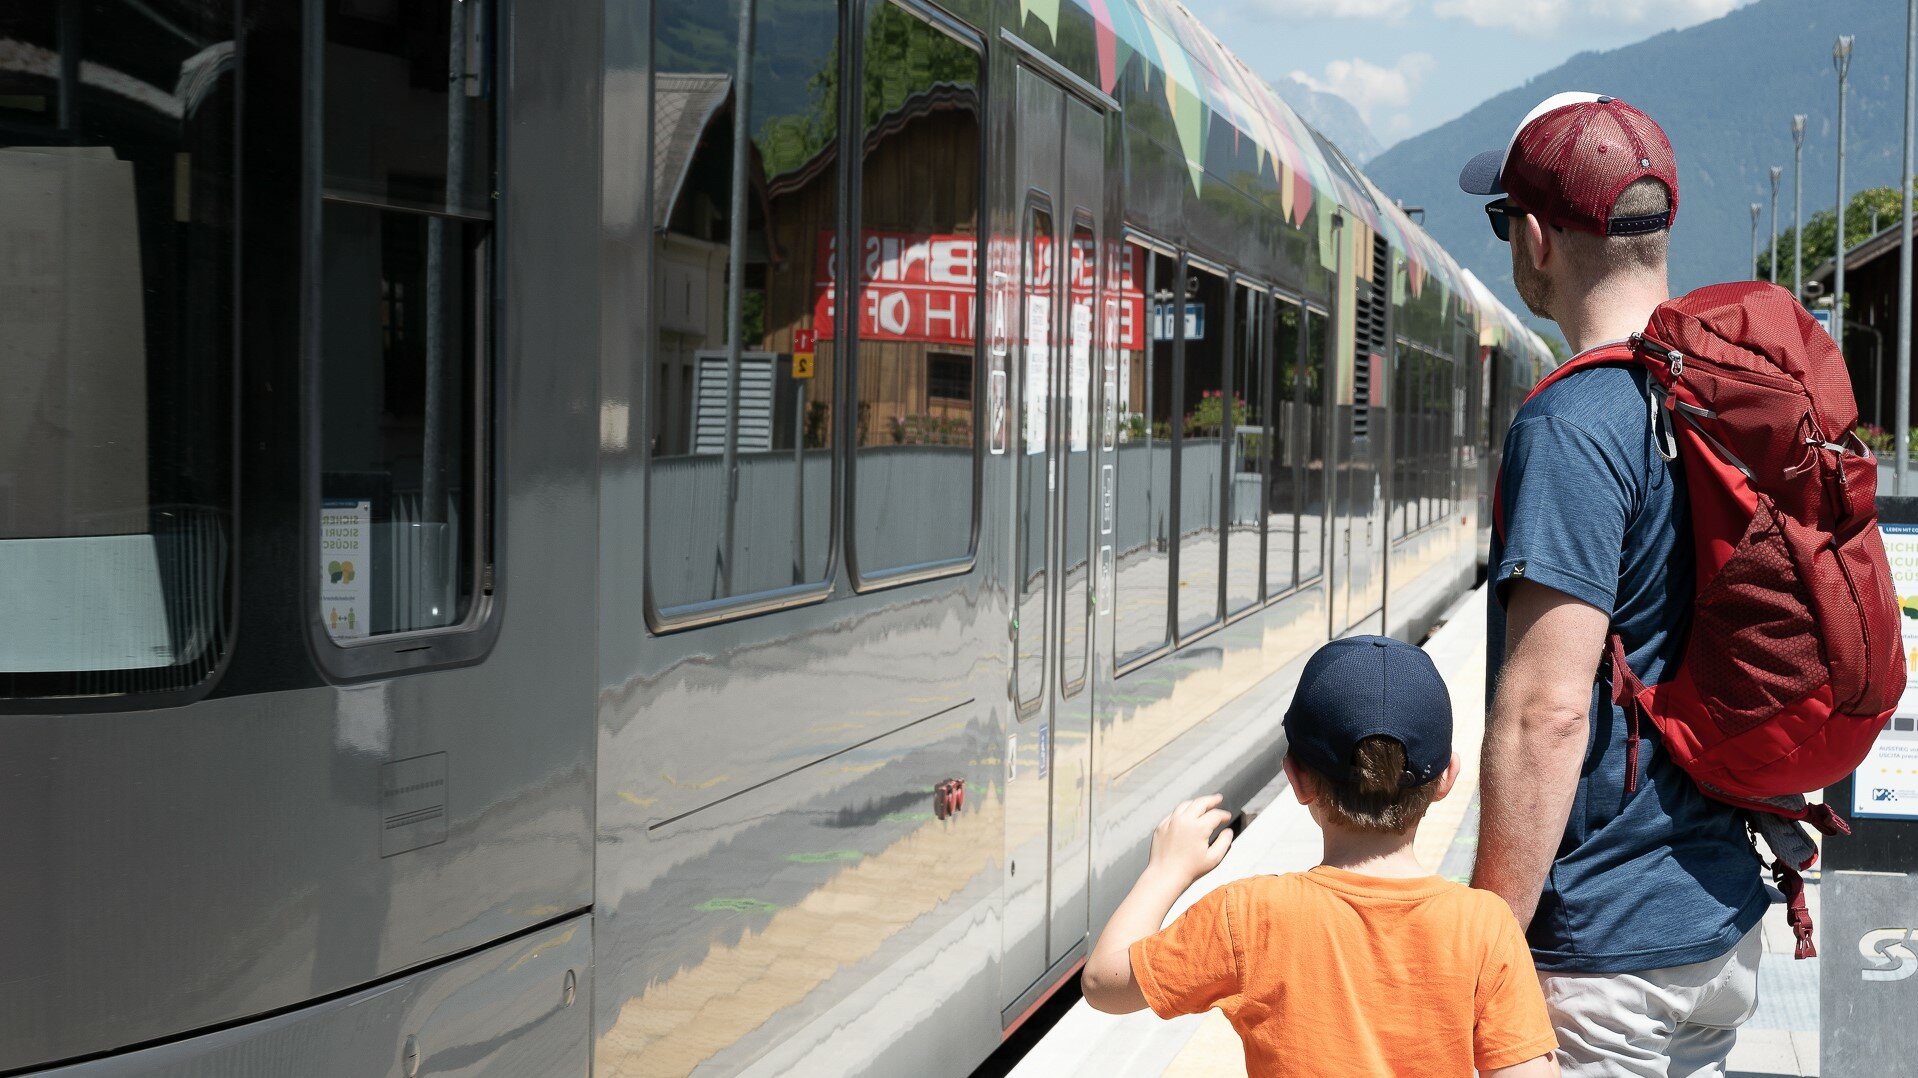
column 1612, row 354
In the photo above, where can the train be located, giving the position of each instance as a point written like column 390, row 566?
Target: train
column 668, row 537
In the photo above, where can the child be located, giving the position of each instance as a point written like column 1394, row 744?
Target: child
column 1365, row 965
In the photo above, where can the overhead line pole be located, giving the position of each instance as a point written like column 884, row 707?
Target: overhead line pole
column 1754, row 266
column 1901, row 410
column 1798, row 206
column 1840, row 59
column 1771, row 253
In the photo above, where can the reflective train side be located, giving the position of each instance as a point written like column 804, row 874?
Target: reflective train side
column 458, row 624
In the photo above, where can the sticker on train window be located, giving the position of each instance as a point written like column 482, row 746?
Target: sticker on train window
column 345, row 576
column 1012, row 757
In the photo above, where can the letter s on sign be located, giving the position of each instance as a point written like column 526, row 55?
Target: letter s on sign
column 1888, row 954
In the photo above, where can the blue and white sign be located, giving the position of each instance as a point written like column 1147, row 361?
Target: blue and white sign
column 1886, row 783
column 1162, row 321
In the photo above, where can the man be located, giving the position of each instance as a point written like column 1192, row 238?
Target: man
column 1640, row 901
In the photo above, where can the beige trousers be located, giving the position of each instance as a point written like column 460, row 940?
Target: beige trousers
column 1671, row 1023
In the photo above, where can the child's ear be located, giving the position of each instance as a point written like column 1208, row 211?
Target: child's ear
column 1300, row 782
column 1448, row 779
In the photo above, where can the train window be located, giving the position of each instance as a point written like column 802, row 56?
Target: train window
column 405, row 219
column 1248, row 448
column 116, row 362
column 1143, row 529
column 1315, row 431
column 1209, row 416
column 914, row 465
column 1401, row 406
column 742, row 474
column 1082, row 277
column 1035, row 476
column 1291, row 434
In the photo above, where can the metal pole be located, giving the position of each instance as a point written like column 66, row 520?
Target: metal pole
column 1771, row 253
column 736, row 285
column 1754, row 266
column 1798, row 206
column 1901, row 409
column 1840, row 59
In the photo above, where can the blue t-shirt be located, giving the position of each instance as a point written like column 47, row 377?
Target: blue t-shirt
column 1665, row 876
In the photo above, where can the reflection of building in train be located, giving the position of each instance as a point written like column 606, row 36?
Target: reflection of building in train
column 917, row 262
column 918, row 259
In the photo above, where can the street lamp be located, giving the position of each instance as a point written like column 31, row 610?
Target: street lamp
column 1798, row 206
column 1840, row 60
column 1755, row 209
column 1771, row 253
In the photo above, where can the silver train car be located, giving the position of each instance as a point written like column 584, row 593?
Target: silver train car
column 665, row 537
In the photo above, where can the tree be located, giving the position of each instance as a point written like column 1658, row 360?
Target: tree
column 1823, row 226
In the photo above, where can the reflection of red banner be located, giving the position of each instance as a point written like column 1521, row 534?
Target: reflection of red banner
column 923, row 288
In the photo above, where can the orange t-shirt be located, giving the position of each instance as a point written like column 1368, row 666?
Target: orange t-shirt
column 1329, row 972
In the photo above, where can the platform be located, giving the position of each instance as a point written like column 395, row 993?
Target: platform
column 1780, row 1041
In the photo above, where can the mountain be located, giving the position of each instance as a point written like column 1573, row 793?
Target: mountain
column 1725, row 92
column 1333, row 116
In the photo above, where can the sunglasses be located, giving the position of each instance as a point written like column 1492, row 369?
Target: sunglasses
column 1503, row 212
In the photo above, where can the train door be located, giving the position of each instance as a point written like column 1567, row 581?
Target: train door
column 1359, row 531
column 1059, row 184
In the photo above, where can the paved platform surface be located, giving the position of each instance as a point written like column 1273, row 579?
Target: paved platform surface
column 1780, row 1040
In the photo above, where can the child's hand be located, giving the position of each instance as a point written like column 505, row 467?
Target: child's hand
column 1183, row 847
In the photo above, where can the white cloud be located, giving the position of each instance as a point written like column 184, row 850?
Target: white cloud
column 1368, row 86
column 1542, row 18
column 1539, row 17
column 1333, row 9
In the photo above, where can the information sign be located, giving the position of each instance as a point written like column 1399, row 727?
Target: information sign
column 345, row 583
column 804, row 341
column 1886, row 784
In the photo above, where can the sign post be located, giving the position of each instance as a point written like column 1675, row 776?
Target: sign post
column 1868, row 975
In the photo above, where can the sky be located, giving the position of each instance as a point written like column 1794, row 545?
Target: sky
column 1410, row 65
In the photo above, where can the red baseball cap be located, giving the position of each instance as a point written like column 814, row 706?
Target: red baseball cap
column 1570, row 159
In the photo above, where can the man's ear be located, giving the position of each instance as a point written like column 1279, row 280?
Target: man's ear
column 1538, row 241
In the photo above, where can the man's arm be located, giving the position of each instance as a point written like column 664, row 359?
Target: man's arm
column 1183, row 849
column 1535, row 740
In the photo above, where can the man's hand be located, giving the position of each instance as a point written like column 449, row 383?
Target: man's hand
column 1183, row 848
column 1535, row 740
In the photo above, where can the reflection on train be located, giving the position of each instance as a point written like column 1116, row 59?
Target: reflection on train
column 563, row 538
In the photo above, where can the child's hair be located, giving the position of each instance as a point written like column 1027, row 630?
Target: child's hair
column 1374, row 800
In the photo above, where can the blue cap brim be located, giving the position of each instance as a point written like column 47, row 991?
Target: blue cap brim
column 1480, row 176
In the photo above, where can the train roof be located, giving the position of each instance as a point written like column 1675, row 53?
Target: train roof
column 1299, row 172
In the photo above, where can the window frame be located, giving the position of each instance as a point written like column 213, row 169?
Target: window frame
column 470, row 639
column 1153, row 246
column 852, row 223
column 666, row 620
column 1082, row 218
column 1188, row 264
column 1034, row 203
column 61, row 697
column 1295, row 583
column 1264, row 316
column 1328, row 351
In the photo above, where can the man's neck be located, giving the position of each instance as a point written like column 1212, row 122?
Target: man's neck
column 1371, row 854
column 1610, row 311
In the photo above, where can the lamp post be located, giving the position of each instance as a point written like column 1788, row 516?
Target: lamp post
column 1755, row 209
column 1840, row 60
column 1771, row 253
column 1901, row 411
column 1798, row 206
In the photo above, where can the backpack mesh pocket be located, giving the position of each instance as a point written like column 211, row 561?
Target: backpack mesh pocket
column 1753, row 649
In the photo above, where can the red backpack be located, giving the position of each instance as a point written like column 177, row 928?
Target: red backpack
column 1796, row 655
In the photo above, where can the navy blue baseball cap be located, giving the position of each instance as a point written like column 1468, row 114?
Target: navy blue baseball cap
column 1366, row 686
